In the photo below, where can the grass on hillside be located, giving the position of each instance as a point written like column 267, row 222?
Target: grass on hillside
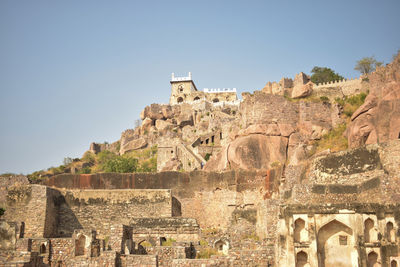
column 144, row 160
column 335, row 140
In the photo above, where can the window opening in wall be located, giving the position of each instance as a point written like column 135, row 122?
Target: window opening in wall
column 393, row 263
column 196, row 98
column 299, row 228
column 42, row 248
column 212, row 139
column 343, row 240
column 399, row 135
column 220, row 135
column 179, row 100
column 389, row 232
column 172, row 152
column 207, row 141
column 368, row 227
column 22, row 230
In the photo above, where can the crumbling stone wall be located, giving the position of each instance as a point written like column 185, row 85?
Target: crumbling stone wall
column 100, row 209
column 33, row 205
column 210, row 197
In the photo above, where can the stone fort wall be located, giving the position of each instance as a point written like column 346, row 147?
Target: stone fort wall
column 100, row 209
column 214, row 199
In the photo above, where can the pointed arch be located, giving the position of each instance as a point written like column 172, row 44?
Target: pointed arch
column 299, row 230
column 301, row 259
column 329, row 245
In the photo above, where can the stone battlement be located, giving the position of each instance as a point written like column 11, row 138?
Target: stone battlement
column 344, row 82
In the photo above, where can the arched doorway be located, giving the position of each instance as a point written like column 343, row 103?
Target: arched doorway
column 372, row 260
column 180, row 99
column 43, row 248
column 80, row 245
column 393, row 263
column 335, row 246
column 301, row 259
column 196, row 98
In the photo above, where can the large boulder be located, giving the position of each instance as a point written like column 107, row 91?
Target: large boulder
column 302, row 90
column 157, row 112
column 378, row 119
column 255, row 151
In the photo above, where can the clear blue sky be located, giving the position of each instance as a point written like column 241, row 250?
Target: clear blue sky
column 73, row 72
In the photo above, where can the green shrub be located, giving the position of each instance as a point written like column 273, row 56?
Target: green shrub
column 352, row 103
column 334, row 140
column 203, row 243
column 120, row 164
column 324, row 99
column 2, row 211
column 85, row 170
column 89, row 157
column 146, row 244
column 206, row 253
column 207, row 156
column 168, row 243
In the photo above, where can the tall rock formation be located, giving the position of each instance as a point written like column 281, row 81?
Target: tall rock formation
column 378, row 119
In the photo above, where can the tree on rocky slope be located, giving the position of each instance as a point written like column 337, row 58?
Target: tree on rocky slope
column 323, row 75
column 367, row 65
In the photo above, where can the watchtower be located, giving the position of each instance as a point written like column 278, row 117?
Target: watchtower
column 182, row 89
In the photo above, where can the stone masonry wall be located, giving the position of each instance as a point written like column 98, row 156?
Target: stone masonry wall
column 29, row 204
column 100, row 209
column 211, row 198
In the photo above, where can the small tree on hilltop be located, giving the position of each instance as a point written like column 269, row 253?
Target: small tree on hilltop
column 367, row 65
column 323, row 75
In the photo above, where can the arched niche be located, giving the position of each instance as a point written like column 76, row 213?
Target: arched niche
column 301, row 259
column 370, row 234
column 300, row 233
column 336, row 238
column 179, row 100
column 222, row 246
column 390, row 233
column 42, row 248
column 80, row 245
column 372, row 259
column 196, row 98
column 393, row 263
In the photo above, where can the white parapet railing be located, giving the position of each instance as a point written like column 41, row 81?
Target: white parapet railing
column 219, row 90
column 180, row 79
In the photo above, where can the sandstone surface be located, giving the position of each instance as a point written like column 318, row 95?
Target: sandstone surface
column 378, row 119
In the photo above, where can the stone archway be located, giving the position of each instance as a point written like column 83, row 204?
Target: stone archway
column 372, row 260
column 335, row 246
column 80, row 245
column 301, row 259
